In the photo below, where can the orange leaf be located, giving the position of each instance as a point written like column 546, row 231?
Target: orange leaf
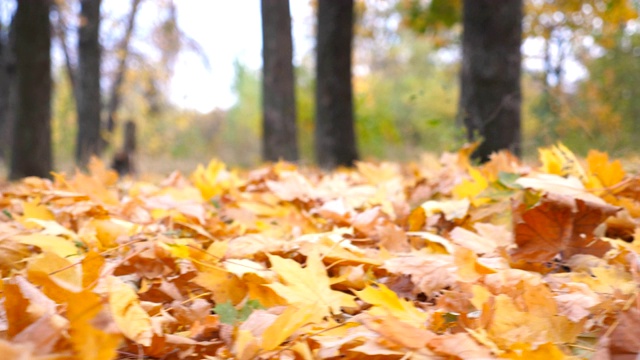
column 401, row 333
column 288, row 323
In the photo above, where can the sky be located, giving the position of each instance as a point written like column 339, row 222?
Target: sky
column 226, row 31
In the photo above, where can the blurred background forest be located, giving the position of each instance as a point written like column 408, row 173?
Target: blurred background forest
column 580, row 76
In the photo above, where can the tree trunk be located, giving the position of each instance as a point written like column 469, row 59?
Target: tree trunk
column 279, row 138
column 123, row 53
column 335, row 141
column 31, row 150
column 89, row 98
column 124, row 160
column 7, row 90
column 490, row 81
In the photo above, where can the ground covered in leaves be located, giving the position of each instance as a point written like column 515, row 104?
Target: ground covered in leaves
column 431, row 260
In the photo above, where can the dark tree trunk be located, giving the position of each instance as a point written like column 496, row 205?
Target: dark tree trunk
column 8, row 94
column 279, row 137
column 124, row 160
column 123, row 53
column 335, row 141
column 89, row 98
column 31, row 150
column 490, row 80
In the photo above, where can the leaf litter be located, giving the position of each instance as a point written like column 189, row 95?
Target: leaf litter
column 429, row 260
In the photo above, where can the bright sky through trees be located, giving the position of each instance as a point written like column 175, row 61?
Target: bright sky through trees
column 230, row 30
column 226, row 30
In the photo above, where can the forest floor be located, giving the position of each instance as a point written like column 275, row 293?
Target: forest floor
column 436, row 259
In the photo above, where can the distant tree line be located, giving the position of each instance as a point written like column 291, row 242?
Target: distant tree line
column 489, row 107
column 26, row 79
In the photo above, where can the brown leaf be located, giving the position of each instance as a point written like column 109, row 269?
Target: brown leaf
column 625, row 338
column 559, row 225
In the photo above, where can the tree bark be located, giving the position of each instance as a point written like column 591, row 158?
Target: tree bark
column 89, row 98
column 31, row 150
column 335, row 141
column 124, row 160
column 7, row 90
column 490, row 96
column 123, row 53
column 279, row 138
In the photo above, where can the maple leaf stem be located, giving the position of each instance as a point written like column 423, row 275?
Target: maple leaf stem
column 582, row 347
column 336, row 263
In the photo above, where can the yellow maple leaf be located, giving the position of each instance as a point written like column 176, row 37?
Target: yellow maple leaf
column 130, row 317
column 63, row 273
column 471, row 188
column 223, row 285
column 246, row 345
column 559, row 160
column 525, row 351
column 91, row 268
column 49, row 243
column 108, row 230
column 212, row 180
column 510, row 324
column 287, row 323
column 94, row 339
column 309, row 285
column 35, row 210
column 385, row 301
column 603, row 173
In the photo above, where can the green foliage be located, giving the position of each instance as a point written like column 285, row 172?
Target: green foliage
column 305, row 107
column 230, row 315
column 430, row 16
column 241, row 132
column 63, row 124
column 606, row 104
column 408, row 105
column 404, row 107
column 163, row 131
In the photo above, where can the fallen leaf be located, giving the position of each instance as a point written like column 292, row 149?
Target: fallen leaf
column 559, row 225
column 307, row 286
column 429, row 273
column 386, row 301
column 290, row 321
column 129, row 316
column 400, row 333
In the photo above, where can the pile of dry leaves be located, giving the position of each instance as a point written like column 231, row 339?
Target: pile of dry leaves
column 431, row 260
